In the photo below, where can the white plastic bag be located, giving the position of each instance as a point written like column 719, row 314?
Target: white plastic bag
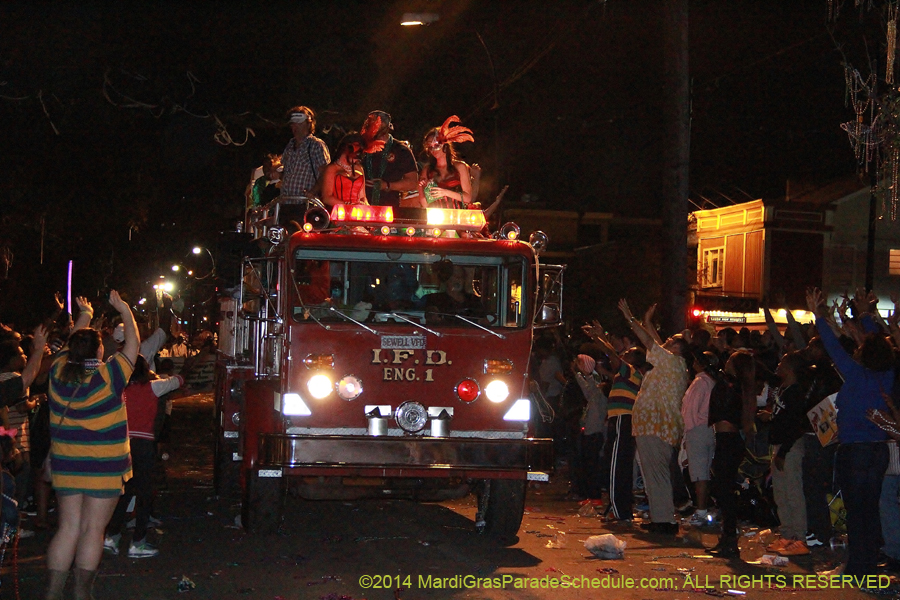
column 605, row 546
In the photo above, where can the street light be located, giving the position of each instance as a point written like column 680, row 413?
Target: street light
column 199, row 250
column 418, row 19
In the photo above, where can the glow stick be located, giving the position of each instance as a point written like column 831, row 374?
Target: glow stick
column 69, row 292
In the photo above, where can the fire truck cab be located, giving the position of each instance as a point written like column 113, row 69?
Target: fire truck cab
column 371, row 355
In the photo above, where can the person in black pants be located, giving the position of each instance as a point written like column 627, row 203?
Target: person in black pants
column 862, row 457
column 731, row 406
column 619, row 450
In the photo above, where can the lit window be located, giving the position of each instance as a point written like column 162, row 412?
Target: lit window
column 894, row 262
column 712, row 269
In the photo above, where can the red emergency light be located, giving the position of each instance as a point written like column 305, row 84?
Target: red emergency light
column 409, row 219
column 362, row 213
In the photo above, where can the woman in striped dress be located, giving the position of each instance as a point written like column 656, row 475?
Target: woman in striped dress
column 89, row 453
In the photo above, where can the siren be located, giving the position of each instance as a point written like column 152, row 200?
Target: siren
column 317, row 217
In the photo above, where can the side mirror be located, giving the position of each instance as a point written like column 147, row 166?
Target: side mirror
column 549, row 315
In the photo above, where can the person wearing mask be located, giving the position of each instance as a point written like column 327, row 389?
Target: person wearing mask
column 388, row 163
column 343, row 181
column 445, row 181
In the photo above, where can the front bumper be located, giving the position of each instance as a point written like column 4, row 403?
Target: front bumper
column 368, row 456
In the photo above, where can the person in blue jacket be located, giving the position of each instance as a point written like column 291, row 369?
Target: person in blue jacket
column 862, row 457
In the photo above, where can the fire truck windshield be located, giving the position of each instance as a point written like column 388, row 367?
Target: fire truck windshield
column 408, row 288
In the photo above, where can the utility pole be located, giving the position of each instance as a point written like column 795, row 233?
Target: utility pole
column 676, row 163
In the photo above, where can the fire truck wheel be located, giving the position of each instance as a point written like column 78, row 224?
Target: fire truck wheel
column 262, row 503
column 502, row 504
column 226, row 470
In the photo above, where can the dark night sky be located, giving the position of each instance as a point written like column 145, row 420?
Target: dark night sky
column 578, row 123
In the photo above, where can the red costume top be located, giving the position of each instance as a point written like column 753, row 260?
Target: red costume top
column 347, row 190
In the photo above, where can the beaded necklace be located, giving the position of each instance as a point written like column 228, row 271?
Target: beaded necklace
column 367, row 165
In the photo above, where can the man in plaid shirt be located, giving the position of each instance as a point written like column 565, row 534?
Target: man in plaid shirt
column 305, row 155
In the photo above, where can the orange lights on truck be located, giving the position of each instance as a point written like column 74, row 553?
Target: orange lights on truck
column 456, row 218
column 361, row 213
column 319, row 361
column 498, row 366
column 407, row 220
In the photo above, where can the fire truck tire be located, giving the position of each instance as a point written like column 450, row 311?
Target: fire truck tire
column 226, row 470
column 262, row 503
column 505, row 505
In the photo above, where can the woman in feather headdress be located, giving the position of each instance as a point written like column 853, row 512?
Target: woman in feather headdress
column 445, row 180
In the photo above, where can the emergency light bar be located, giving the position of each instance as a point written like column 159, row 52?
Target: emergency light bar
column 456, row 218
column 362, row 214
column 442, row 218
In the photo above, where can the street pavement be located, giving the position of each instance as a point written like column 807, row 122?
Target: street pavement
column 389, row 549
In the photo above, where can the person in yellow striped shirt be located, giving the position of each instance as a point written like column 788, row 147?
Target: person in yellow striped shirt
column 89, row 454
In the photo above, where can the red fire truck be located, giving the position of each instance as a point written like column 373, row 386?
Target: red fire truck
column 372, row 355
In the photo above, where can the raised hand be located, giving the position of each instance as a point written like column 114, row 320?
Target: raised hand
column 40, row 339
column 625, row 309
column 814, row 299
column 842, row 308
column 58, row 298
column 117, row 303
column 871, row 302
column 648, row 316
column 84, row 304
column 595, row 331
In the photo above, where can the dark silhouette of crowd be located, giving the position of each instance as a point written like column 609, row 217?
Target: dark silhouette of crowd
column 724, row 428
column 81, row 412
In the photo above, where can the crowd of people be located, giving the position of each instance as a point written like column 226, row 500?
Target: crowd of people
column 729, row 426
column 83, row 406
column 368, row 167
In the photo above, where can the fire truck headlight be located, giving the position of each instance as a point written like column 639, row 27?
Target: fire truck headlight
column 468, row 391
column 496, row 391
column 319, row 386
column 411, row 417
column 350, row 387
column 293, row 405
column 520, row 411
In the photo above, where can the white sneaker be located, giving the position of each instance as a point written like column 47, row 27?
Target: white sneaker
column 142, row 550
column 111, row 544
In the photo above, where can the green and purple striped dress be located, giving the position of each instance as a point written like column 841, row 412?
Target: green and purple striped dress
column 89, row 452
